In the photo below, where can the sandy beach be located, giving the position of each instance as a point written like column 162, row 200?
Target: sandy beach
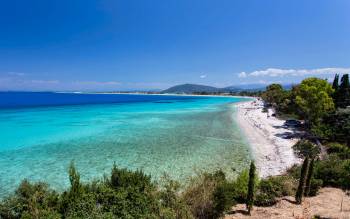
column 271, row 141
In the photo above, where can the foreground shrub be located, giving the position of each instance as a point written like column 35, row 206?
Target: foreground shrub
column 31, row 201
column 315, row 186
column 223, row 198
column 240, row 185
column 199, row 195
column 333, row 172
column 341, row 150
column 251, row 187
column 126, row 194
column 271, row 188
column 132, row 194
column 172, row 206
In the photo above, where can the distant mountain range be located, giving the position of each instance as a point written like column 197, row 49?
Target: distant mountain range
column 197, row 88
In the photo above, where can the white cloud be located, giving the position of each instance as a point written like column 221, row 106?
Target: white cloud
column 242, row 75
column 276, row 72
column 203, row 76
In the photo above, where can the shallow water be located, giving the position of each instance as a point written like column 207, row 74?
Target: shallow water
column 173, row 135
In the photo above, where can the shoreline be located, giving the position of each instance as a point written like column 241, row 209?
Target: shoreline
column 270, row 140
column 157, row 94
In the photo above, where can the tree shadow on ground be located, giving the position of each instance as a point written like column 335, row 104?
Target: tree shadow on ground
column 292, row 201
column 244, row 212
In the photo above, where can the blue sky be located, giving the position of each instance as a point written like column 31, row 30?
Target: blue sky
column 150, row 44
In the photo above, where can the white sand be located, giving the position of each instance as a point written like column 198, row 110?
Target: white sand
column 272, row 152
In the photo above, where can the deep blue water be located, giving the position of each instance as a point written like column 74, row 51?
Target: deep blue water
column 35, row 99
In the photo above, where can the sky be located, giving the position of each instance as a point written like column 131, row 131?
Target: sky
column 105, row 45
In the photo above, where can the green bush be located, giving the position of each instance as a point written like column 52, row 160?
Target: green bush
column 126, row 194
column 341, row 150
column 294, row 171
column 172, row 206
column 223, row 198
column 315, row 185
column 241, row 186
column 199, row 194
column 31, row 201
column 132, row 194
column 338, row 126
column 264, row 199
column 305, row 148
column 273, row 187
column 333, row 172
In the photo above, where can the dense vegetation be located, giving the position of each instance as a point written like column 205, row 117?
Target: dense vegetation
column 325, row 109
column 323, row 106
column 132, row 194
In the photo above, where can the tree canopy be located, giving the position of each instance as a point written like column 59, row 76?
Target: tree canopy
column 274, row 94
column 305, row 148
column 314, row 99
column 343, row 92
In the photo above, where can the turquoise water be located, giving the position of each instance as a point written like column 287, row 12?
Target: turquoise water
column 177, row 137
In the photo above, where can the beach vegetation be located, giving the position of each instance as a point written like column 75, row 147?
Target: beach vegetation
column 274, row 94
column 305, row 148
column 274, row 187
column 251, row 187
column 342, row 91
column 130, row 194
column 333, row 171
column 199, row 194
column 335, row 84
column 301, row 187
column 324, row 107
column 314, row 99
column 133, row 196
column 31, row 200
column 335, row 127
column 341, row 150
column 309, row 177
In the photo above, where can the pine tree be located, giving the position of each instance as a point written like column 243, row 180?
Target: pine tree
column 309, row 177
column 301, row 186
column 251, row 185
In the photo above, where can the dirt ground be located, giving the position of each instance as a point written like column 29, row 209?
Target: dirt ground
column 329, row 203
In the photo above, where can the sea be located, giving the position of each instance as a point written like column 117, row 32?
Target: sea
column 41, row 133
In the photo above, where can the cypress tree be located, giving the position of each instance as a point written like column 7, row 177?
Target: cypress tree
column 343, row 93
column 309, row 177
column 336, row 82
column 74, row 178
column 251, row 185
column 301, row 186
column 345, row 82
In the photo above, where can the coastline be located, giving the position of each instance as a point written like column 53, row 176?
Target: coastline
column 157, row 94
column 271, row 142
